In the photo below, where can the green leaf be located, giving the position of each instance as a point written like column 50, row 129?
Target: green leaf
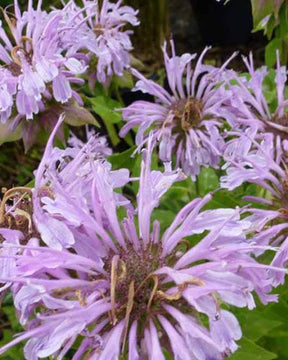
column 104, row 107
column 16, row 352
column 277, row 5
column 270, row 51
column 31, row 184
column 125, row 81
column 122, row 160
column 270, row 27
column 250, row 351
column 78, row 116
column 257, row 323
column 207, row 181
column 269, row 89
column 260, row 9
column 283, row 24
column 167, row 355
column 7, row 135
column 264, row 23
column 165, row 217
column 7, row 333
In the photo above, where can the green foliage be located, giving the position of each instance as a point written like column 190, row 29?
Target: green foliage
column 106, row 103
column 263, row 9
column 271, row 16
column 9, row 329
column 250, row 351
column 7, row 135
column 104, row 107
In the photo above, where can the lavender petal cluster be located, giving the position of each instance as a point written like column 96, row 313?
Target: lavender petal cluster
column 257, row 153
column 35, row 65
column 121, row 285
column 256, row 120
column 251, row 105
column 187, row 118
column 99, row 31
column 93, row 270
column 263, row 162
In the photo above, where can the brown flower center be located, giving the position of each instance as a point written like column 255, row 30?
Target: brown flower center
column 19, row 215
column 281, row 122
column 188, row 113
column 98, row 30
column 132, row 273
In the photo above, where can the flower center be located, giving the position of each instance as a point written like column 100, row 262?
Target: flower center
column 18, row 215
column 133, row 284
column 278, row 125
column 281, row 120
column 98, row 30
column 188, row 113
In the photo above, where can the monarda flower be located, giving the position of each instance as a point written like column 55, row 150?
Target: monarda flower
column 100, row 31
column 259, row 128
column 72, row 166
column 251, row 103
column 36, row 70
column 139, row 292
column 186, row 120
column 263, row 160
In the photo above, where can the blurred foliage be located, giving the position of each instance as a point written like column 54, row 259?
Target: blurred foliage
column 16, row 167
column 9, row 326
column 153, row 29
column 271, row 16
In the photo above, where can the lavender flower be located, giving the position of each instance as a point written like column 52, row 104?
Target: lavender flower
column 259, row 141
column 186, row 121
column 96, row 145
column 101, row 32
column 263, row 162
column 250, row 104
column 35, row 66
column 257, row 152
column 134, row 291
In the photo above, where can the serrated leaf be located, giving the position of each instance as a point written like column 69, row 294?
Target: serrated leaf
column 251, row 351
column 256, row 323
